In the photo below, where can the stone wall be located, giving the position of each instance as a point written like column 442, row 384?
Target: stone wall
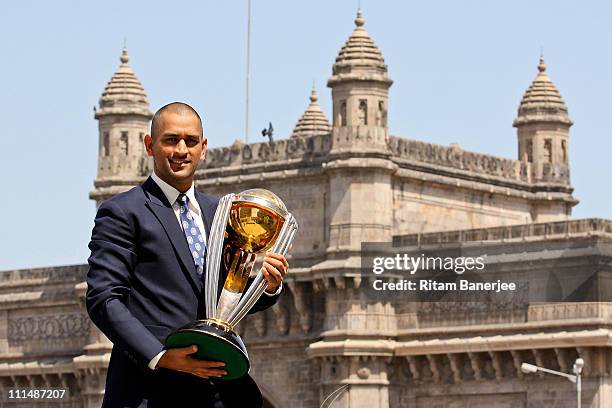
column 424, row 205
column 540, row 392
column 43, row 327
column 40, row 313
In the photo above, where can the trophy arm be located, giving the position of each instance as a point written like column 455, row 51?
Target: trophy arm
column 264, row 301
column 213, row 252
column 257, row 288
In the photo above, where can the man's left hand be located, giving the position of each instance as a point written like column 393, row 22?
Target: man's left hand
column 275, row 267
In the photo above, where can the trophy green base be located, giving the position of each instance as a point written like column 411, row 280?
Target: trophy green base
column 216, row 341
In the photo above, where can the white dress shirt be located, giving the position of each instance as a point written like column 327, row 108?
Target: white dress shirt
column 172, row 194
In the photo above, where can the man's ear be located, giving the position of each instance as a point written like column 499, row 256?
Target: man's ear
column 204, row 146
column 148, row 141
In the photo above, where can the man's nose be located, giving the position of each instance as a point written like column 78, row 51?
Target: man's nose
column 181, row 147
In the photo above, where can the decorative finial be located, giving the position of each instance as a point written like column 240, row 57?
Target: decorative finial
column 359, row 20
column 313, row 94
column 542, row 65
column 124, row 56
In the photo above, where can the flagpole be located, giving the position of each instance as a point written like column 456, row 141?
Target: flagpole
column 248, row 73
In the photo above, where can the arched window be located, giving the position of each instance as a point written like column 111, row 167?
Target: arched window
column 105, row 144
column 564, row 150
column 123, row 143
column 529, row 151
column 381, row 114
column 547, row 150
column 363, row 112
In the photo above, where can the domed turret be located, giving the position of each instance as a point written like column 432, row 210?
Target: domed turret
column 124, row 93
column 359, row 58
column 123, row 120
column 542, row 102
column 543, row 130
column 360, row 92
column 313, row 122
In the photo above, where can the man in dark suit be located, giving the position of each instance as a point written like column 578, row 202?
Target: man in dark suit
column 146, row 277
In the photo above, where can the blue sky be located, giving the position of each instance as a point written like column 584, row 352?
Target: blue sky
column 460, row 69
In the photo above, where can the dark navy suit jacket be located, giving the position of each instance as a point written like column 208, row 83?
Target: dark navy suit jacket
column 142, row 284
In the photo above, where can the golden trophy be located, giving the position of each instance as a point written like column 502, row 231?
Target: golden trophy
column 245, row 224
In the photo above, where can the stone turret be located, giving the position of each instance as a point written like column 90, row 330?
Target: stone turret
column 359, row 165
column 360, row 93
column 313, row 122
column 359, row 206
column 543, row 130
column 123, row 119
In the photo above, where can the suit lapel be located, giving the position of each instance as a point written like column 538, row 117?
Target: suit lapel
column 163, row 211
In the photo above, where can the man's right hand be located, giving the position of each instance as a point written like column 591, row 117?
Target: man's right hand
column 180, row 359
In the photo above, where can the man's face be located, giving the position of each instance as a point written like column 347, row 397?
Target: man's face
column 177, row 147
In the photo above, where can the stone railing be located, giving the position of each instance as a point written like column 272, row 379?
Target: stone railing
column 441, row 157
column 302, row 148
column 555, row 172
column 61, row 274
column 570, row 310
column 572, row 227
column 317, row 147
column 456, row 158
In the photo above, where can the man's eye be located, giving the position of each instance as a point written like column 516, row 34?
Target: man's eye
column 192, row 142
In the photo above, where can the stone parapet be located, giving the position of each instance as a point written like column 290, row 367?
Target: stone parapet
column 305, row 149
column 537, row 231
column 408, row 154
column 465, row 164
column 32, row 276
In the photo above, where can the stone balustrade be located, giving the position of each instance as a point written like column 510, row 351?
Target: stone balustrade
column 589, row 226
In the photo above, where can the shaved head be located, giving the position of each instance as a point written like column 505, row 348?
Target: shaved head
column 177, row 108
column 177, row 144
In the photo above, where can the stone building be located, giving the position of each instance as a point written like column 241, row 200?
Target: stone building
column 348, row 182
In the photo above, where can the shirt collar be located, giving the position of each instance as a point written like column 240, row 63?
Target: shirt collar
column 172, row 193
